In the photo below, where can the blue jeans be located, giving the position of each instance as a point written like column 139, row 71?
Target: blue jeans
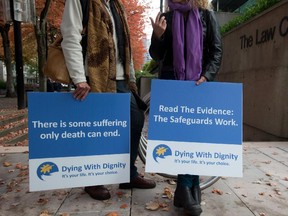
column 136, row 125
column 188, row 180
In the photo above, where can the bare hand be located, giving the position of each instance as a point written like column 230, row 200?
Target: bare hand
column 159, row 26
column 201, row 80
column 81, row 91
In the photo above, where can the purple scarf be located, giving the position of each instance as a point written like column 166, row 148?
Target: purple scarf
column 191, row 68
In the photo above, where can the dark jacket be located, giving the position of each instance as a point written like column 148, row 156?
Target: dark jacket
column 161, row 49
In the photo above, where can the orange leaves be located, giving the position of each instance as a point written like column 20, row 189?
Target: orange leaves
column 44, row 213
column 161, row 205
column 217, row 191
column 112, row 214
column 7, row 164
column 124, row 206
column 136, row 21
column 153, row 206
column 156, row 205
column 54, row 13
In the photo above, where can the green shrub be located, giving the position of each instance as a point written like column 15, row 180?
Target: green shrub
column 251, row 12
column 146, row 69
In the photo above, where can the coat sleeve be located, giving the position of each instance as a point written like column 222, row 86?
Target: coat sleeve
column 71, row 29
column 158, row 46
column 214, row 47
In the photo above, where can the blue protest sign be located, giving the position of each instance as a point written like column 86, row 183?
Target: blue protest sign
column 78, row 143
column 195, row 129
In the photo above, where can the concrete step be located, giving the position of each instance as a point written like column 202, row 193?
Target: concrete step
column 13, row 122
column 13, row 119
column 15, row 140
column 17, row 127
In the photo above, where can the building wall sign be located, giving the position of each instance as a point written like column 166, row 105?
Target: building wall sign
column 265, row 35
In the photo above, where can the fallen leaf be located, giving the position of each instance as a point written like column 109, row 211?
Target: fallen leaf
column 168, row 193
column 42, row 201
column 44, row 213
column 217, row 191
column 18, row 166
column 257, row 182
column 23, row 173
column 11, row 185
column 124, row 206
column 119, row 194
column 153, row 206
column 112, row 214
column 163, row 205
column 7, row 164
column 25, row 167
column 165, row 209
column 278, row 191
column 267, row 174
column 261, row 193
column 15, row 204
column 267, row 162
column 171, row 182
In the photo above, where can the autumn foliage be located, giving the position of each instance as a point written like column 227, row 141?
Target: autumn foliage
column 136, row 20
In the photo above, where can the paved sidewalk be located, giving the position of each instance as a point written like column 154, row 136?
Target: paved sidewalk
column 8, row 103
column 262, row 191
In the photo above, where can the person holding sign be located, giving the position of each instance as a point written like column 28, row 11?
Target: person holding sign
column 187, row 41
column 108, row 67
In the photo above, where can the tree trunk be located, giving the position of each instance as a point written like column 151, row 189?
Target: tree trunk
column 40, row 30
column 10, row 90
column 42, row 52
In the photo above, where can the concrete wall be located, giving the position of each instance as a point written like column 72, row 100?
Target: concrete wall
column 224, row 17
column 256, row 54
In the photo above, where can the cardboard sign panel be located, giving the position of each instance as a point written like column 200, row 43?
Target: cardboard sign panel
column 195, row 129
column 78, row 143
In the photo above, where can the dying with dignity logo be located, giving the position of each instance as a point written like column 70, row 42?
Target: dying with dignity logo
column 45, row 169
column 161, row 151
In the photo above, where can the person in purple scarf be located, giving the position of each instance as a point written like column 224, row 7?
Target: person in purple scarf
column 187, row 42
